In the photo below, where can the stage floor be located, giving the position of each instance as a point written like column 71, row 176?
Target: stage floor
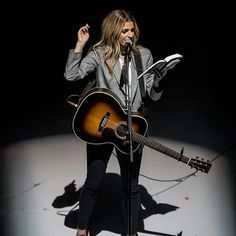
column 43, row 177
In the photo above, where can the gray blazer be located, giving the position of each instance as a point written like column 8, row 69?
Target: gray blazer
column 78, row 67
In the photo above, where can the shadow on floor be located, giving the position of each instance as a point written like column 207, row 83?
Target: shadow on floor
column 108, row 213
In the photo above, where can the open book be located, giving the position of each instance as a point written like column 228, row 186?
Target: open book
column 162, row 66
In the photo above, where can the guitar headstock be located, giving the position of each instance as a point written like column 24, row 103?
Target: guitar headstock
column 200, row 164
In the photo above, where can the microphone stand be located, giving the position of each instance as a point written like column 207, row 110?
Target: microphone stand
column 129, row 124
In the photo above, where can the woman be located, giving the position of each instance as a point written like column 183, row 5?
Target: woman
column 118, row 46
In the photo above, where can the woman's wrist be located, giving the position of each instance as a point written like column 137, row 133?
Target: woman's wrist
column 79, row 47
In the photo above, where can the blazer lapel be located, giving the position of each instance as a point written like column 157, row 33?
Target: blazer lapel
column 117, row 72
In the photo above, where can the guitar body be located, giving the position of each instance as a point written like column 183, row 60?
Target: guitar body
column 101, row 119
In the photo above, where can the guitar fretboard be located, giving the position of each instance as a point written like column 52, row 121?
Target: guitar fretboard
column 159, row 147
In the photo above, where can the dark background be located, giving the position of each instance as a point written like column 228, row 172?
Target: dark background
column 198, row 103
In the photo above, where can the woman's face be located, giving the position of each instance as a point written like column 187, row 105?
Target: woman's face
column 127, row 32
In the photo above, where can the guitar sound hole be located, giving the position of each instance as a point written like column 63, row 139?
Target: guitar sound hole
column 122, row 131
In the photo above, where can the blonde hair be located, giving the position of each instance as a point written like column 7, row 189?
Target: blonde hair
column 111, row 29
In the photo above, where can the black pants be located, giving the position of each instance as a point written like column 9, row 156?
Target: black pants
column 97, row 160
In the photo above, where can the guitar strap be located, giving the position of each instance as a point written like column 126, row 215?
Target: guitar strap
column 139, row 67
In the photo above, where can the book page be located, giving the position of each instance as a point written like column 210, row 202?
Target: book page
column 173, row 56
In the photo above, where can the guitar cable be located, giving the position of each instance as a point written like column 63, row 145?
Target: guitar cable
column 184, row 178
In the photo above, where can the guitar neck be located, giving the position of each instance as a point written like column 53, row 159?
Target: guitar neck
column 196, row 163
column 159, row 147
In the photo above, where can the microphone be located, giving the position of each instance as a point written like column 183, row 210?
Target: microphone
column 127, row 48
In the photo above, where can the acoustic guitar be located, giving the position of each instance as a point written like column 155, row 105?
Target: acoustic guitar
column 100, row 118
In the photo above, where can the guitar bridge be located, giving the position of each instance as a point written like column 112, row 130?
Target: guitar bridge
column 103, row 121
